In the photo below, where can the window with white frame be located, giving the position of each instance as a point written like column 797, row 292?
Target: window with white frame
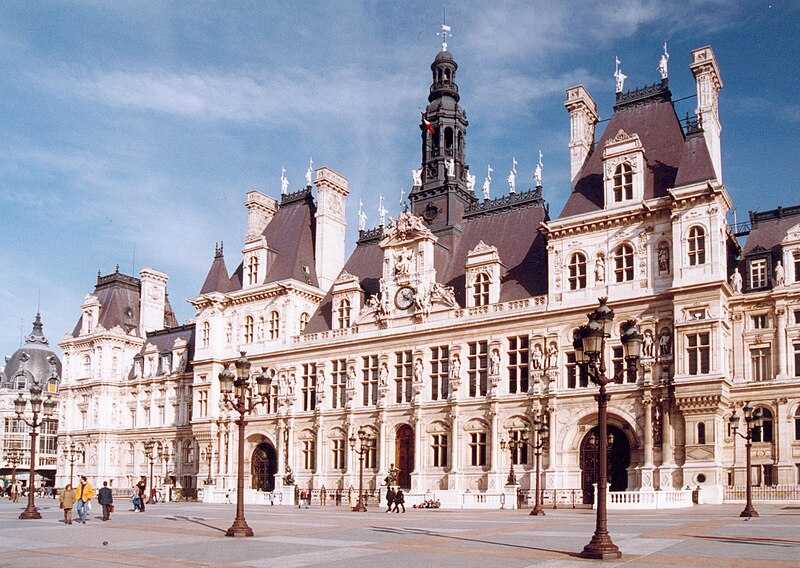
column 440, row 369
column 477, row 448
column 623, row 182
column 274, row 324
column 796, row 347
column 519, row 451
column 309, row 454
column 796, row 260
column 577, row 271
column 370, row 372
column 480, row 289
column 206, row 335
column 577, row 375
column 518, row 367
column 701, row 433
column 309, row 388
column 759, row 321
column 759, row 363
column 797, row 424
column 252, row 270
column 623, row 263
column 478, row 368
column 202, row 403
column 439, row 447
column 338, row 383
column 758, row 273
column 249, row 328
column 338, row 453
column 304, row 317
column 698, row 353
column 764, row 433
column 344, row 313
column 403, row 376
column 697, row 246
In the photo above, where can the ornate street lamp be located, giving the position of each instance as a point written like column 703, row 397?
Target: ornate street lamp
column 590, row 344
column 512, row 445
column 149, row 445
column 366, row 443
column 542, row 439
column 13, row 457
column 209, row 453
column 753, row 418
column 45, row 408
column 237, row 393
column 71, row 454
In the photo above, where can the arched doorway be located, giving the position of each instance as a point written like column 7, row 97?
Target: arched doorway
column 404, row 455
column 264, row 466
column 618, row 458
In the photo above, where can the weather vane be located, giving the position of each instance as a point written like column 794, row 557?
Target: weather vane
column 445, row 29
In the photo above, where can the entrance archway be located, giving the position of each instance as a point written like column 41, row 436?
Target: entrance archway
column 618, row 460
column 263, row 468
column 404, row 455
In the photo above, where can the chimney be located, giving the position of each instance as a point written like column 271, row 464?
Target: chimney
column 332, row 189
column 582, row 120
column 153, row 300
column 709, row 84
column 260, row 211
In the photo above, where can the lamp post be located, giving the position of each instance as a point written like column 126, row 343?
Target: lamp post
column 590, row 346
column 753, row 418
column 71, row 455
column 13, row 457
column 366, row 442
column 209, row 454
column 41, row 410
column 149, row 445
column 542, row 432
column 237, row 393
column 512, row 445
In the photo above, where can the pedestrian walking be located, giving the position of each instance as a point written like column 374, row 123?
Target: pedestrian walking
column 352, row 497
column 323, row 496
column 142, row 485
column 390, row 494
column 66, row 502
column 272, row 498
column 106, row 500
column 15, row 491
column 399, row 501
column 83, row 495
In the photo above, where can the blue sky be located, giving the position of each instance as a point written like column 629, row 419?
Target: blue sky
column 143, row 124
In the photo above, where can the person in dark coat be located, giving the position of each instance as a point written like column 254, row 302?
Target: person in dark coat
column 105, row 498
column 390, row 494
column 142, row 485
column 399, row 501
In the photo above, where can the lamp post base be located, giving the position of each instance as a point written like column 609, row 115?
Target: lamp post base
column 35, row 514
column 749, row 512
column 601, row 548
column 239, row 528
column 359, row 508
column 537, row 510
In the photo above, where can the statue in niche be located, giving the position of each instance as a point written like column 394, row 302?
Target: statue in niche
column 282, row 386
column 552, row 355
column 418, row 371
column 260, row 329
column 455, row 367
column 663, row 257
column 451, row 168
column 228, row 333
column 383, row 375
column 780, row 274
column 600, row 268
column 665, row 343
column 403, row 261
column 494, row 363
column 291, row 382
column 351, row 378
column 648, row 344
column 538, row 357
column 736, row 281
column 321, row 380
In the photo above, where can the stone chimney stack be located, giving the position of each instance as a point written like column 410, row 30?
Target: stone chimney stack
column 709, row 84
column 582, row 121
column 332, row 189
column 153, row 300
column 260, row 211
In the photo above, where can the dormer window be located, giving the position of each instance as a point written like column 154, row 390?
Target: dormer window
column 274, row 324
column 623, row 263
column 304, row 317
column 252, row 271
column 623, row 183
column 249, row 328
column 697, row 246
column 758, row 273
column 344, row 313
column 480, row 290
column 206, row 336
column 577, row 271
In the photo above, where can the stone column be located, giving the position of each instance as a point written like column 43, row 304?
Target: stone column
column 667, row 452
column 646, row 470
column 495, row 468
column 782, row 355
column 454, row 441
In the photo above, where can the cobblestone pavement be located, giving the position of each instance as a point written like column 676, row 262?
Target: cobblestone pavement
column 192, row 534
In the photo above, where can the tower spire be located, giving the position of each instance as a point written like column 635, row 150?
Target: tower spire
column 445, row 29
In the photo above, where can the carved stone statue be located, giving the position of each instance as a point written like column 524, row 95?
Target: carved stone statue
column 455, row 367
column 416, row 176
column 663, row 257
column 780, row 274
column 494, row 363
column 351, row 378
column 537, row 173
column 321, row 380
column 451, row 168
column 470, row 182
column 538, row 357
column 383, row 375
column 736, row 281
column 284, row 182
column 403, row 261
column 512, row 177
column 552, row 355
column 619, row 77
column 309, row 172
column 662, row 64
column 362, row 217
column 648, row 343
column 418, row 371
column 665, row 343
column 282, row 386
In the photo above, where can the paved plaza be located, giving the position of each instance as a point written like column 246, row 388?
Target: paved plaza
column 192, row 534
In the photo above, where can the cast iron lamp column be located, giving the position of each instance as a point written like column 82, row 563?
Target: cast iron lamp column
column 542, row 432
column 753, row 418
column 366, row 442
column 13, row 457
column 38, row 406
column 511, row 445
column 237, row 393
column 71, row 456
column 590, row 346
column 149, row 445
column 209, row 454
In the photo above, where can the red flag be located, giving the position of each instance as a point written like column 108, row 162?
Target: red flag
column 428, row 126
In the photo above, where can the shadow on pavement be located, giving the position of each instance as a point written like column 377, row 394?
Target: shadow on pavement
column 195, row 520
column 749, row 540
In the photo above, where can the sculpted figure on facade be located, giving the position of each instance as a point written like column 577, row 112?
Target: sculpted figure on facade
column 471, row 182
column 648, row 344
column 418, row 371
column 320, row 381
column 736, row 281
column 422, row 302
column 403, row 261
column 292, row 381
column 416, row 177
column 455, row 368
column 383, row 375
column 282, row 384
column 494, row 363
column 444, row 294
column 780, row 274
column 600, row 268
column 552, row 355
column 665, row 343
column 351, row 378
column 663, row 257
column 538, row 357
column 229, row 333
column 451, row 168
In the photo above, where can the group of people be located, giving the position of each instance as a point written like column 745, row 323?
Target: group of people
column 138, row 495
column 395, row 499
column 429, row 504
column 81, row 498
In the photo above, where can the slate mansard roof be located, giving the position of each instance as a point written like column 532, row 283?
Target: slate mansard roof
column 290, row 237
column 769, row 228
column 164, row 340
column 672, row 159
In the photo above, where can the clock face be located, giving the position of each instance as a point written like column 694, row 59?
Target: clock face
column 404, row 298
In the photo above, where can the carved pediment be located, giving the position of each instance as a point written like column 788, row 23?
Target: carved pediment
column 621, row 136
column 406, row 228
column 482, row 248
column 345, row 277
column 792, row 235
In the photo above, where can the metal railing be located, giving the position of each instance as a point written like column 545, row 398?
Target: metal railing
column 784, row 492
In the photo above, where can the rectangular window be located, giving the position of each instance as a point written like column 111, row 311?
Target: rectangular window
column 478, row 368
column 309, row 454
column 338, row 448
column 621, row 372
column 768, row 481
column 758, row 273
column 698, row 353
column 439, row 446
column 760, row 363
column 309, row 380
column 797, row 312
column 338, row 383
column 577, row 375
column 796, row 359
column 369, row 379
column 403, row 376
column 759, row 321
column 519, row 455
column 518, row 357
column 796, row 266
column 440, row 370
column 477, row 448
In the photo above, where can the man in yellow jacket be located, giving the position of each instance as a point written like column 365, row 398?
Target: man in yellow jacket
column 83, row 494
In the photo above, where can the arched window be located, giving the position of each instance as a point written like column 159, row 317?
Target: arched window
column 480, row 290
column 188, row 452
column 697, row 246
column 89, row 322
column 448, row 141
column 87, row 366
column 344, row 313
column 21, row 381
column 797, row 424
column 765, row 432
column 623, row 263
column 623, row 183
column 701, row 432
column 577, row 271
column 248, row 329
column 304, row 317
column 206, row 333
column 252, row 270
column 274, row 325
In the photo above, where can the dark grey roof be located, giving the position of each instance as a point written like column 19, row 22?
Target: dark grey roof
column 217, row 279
column 34, row 359
column 769, row 228
column 164, row 340
column 695, row 165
